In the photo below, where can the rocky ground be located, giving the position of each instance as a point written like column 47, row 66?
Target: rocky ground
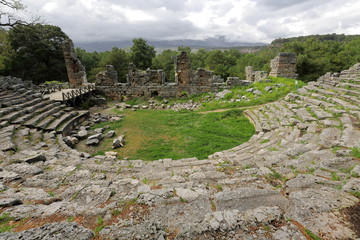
column 297, row 178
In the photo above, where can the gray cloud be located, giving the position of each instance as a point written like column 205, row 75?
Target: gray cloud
column 237, row 20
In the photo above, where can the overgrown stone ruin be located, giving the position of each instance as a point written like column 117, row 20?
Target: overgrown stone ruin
column 255, row 76
column 108, row 77
column 284, row 65
column 151, row 83
column 296, row 175
column 75, row 70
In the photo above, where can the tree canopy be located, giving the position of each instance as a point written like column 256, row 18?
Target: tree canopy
column 38, row 54
column 142, row 53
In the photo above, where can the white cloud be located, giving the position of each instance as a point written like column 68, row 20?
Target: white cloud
column 237, row 20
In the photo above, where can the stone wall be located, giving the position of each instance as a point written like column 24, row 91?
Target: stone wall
column 284, row 65
column 151, row 83
column 75, row 70
column 255, row 76
column 108, row 77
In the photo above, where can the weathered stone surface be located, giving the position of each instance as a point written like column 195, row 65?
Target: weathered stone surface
column 9, row 202
column 244, row 199
column 82, row 134
column 284, row 65
column 24, row 169
column 221, row 95
column 76, row 71
column 108, row 77
column 118, row 142
column 34, row 159
column 110, row 134
column 54, row 231
column 352, row 186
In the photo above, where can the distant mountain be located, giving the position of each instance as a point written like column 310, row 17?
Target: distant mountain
column 210, row 43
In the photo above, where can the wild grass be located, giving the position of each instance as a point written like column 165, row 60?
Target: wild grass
column 152, row 135
column 286, row 86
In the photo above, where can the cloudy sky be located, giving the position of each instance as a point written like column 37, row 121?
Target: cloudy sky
column 237, row 20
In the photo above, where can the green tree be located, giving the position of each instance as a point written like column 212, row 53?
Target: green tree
column 38, row 53
column 120, row 59
column 6, row 52
column 165, row 61
column 142, row 53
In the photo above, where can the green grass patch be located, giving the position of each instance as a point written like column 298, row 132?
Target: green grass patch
column 4, row 223
column 152, row 135
column 356, row 152
column 281, row 87
column 312, row 235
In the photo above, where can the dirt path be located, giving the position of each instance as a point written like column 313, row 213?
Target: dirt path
column 227, row 109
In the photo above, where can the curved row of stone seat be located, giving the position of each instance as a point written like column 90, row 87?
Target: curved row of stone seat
column 290, row 169
column 24, row 107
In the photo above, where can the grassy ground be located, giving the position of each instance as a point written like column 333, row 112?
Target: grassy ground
column 156, row 134
column 152, row 135
column 287, row 86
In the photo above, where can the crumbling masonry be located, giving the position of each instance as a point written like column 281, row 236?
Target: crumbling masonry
column 75, row 70
column 151, row 83
column 284, row 65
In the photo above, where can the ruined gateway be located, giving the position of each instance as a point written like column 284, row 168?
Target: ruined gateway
column 308, row 184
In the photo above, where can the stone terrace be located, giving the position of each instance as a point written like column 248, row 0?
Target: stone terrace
column 296, row 174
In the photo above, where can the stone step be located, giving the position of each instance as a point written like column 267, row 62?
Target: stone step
column 62, row 119
column 6, row 138
column 68, row 125
column 34, row 110
column 11, row 113
column 254, row 120
column 38, row 118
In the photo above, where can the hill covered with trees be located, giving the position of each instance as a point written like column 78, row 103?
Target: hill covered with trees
column 29, row 53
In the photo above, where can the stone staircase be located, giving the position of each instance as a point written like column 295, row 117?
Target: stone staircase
column 295, row 175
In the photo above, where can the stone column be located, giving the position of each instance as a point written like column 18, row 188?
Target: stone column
column 75, row 70
column 182, row 69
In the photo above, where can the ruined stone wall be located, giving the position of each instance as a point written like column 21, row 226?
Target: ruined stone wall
column 255, row 76
column 75, row 70
column 151, row 83
column 108, row 77
column 284, row 65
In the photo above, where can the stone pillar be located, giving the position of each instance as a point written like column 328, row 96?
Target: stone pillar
column 182, row 69
column 249, row 73
column 284, row 65
column 75, row 70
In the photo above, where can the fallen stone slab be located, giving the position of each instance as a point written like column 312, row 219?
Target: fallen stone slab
column 118, row 142
column 34, row 159
column 9, row 202
column 24, row 169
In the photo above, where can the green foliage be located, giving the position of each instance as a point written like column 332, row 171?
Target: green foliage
column 142, row 53
column 356, row 152
column 38, row 53
column 319, row 54
column 4, row 223
column 312, row 235
column 165, row 61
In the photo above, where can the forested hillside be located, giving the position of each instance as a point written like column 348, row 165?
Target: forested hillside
column 27, row 52
column 316, row 55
